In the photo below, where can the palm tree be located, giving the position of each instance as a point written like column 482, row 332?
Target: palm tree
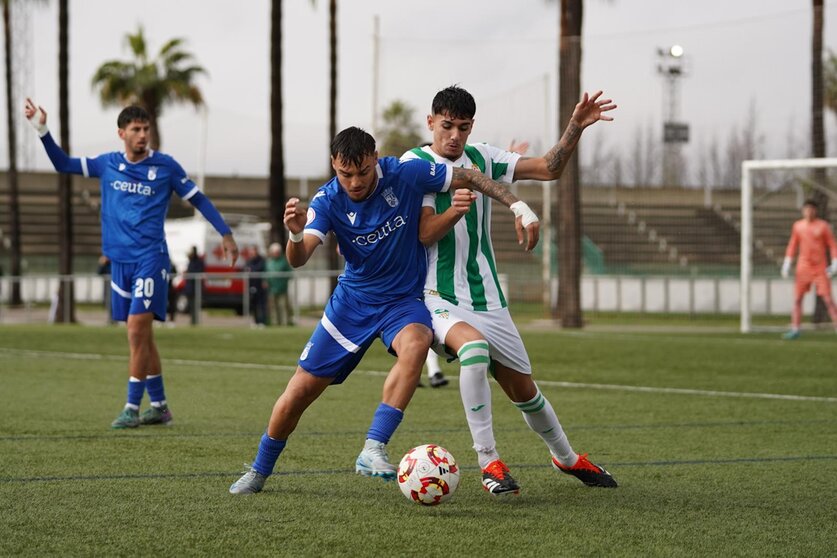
column 830, row 76
column 333, row 260
column 277, row 153
column 152, row 84
column 569, row 198
column 818, row 129
column 65, row 184
column 14, row 200
column 400, row 132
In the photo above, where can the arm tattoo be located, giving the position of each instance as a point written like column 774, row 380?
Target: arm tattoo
column 559, row 155
column 479, row 182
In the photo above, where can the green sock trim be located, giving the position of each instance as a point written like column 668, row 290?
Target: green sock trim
column 532, row 406
column 479, row 359
column 471, row 345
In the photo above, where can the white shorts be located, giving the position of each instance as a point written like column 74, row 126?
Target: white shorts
column 504, row 342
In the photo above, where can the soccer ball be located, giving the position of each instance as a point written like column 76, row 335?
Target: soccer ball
column 428, row 475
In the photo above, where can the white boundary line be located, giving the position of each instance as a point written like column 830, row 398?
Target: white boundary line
column 551, row 383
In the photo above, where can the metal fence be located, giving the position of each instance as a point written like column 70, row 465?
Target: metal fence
column 308, row 292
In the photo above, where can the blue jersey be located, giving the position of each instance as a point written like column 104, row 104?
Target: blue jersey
column 379, row 235
column 135, row 200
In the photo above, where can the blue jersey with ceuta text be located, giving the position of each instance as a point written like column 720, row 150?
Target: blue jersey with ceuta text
column 379, row 235
column 135, row 200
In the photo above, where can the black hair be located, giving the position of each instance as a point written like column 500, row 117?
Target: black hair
column 455, row 102
column 353, row 145
column 812, row 202
column 130, row 114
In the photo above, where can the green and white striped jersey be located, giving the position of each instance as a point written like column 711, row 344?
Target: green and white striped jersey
column 461, row 266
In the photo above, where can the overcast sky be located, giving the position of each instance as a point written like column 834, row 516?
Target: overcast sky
column 740, row 53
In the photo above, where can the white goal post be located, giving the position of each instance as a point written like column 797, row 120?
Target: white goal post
column 747, row 170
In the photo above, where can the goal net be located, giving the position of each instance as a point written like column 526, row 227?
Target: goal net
column 772, row 194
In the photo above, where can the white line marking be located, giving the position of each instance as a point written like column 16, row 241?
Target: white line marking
column 551, row 383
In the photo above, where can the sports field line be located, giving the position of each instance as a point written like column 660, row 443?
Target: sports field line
column 313, row 472
column 158, row 435
column 551, row 383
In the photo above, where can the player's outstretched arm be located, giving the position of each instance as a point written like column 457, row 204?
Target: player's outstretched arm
column 37, row 117
column 525, row 218
column 300, row 246
column 549, row 167
column 433, row 226
column 203, row 204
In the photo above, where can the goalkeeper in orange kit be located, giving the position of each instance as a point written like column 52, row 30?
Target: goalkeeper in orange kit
column 813, row 237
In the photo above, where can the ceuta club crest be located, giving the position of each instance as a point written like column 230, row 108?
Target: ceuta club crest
column 391, row 198
column 152, row 173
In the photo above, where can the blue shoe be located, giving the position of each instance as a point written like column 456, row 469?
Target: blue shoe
column 791, row 335
column 373, row 461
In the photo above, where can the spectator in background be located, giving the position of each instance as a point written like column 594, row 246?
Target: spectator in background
column 258, row 288
column 280, row 307
column 195, row 265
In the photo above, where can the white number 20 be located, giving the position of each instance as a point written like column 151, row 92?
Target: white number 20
column 145, row 286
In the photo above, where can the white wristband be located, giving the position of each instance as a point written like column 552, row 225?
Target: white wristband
column 296, row 238
column 35, row 121
column 520, row 209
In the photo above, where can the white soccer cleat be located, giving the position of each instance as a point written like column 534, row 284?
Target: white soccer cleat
column 249, row 483
column 373, row 461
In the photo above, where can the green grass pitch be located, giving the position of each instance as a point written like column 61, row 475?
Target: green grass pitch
column 708, row 461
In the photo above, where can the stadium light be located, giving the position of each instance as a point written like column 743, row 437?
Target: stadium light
column 676, row 51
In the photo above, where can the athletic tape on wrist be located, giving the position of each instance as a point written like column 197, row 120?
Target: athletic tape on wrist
column 520, row 209
column 35, row 121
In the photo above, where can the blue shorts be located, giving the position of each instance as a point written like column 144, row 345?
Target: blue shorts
column 140, row 287
column 348, row 328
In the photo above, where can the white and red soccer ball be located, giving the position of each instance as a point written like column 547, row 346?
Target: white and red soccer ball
column 428, row 475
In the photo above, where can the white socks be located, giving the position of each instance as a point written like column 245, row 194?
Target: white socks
column 476, row 398
column 540, row 416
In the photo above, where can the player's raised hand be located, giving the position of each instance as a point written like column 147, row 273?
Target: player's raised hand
column 295, row 216
column 461, row 200
column 36, row 115
column 230, row 248
column 590, row 110
column 526, row 221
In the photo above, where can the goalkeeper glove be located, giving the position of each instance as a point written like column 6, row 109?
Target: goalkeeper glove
column 832, row 269
column 786, row 268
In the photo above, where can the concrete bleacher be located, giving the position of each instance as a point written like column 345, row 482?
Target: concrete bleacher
column 651, row 230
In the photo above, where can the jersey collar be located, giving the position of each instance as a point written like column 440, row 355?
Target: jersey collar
column 147, row 157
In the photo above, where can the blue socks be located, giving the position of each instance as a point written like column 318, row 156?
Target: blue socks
column 156, row 393
column 269, row 450
column 384, row 422
column 136, row 389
